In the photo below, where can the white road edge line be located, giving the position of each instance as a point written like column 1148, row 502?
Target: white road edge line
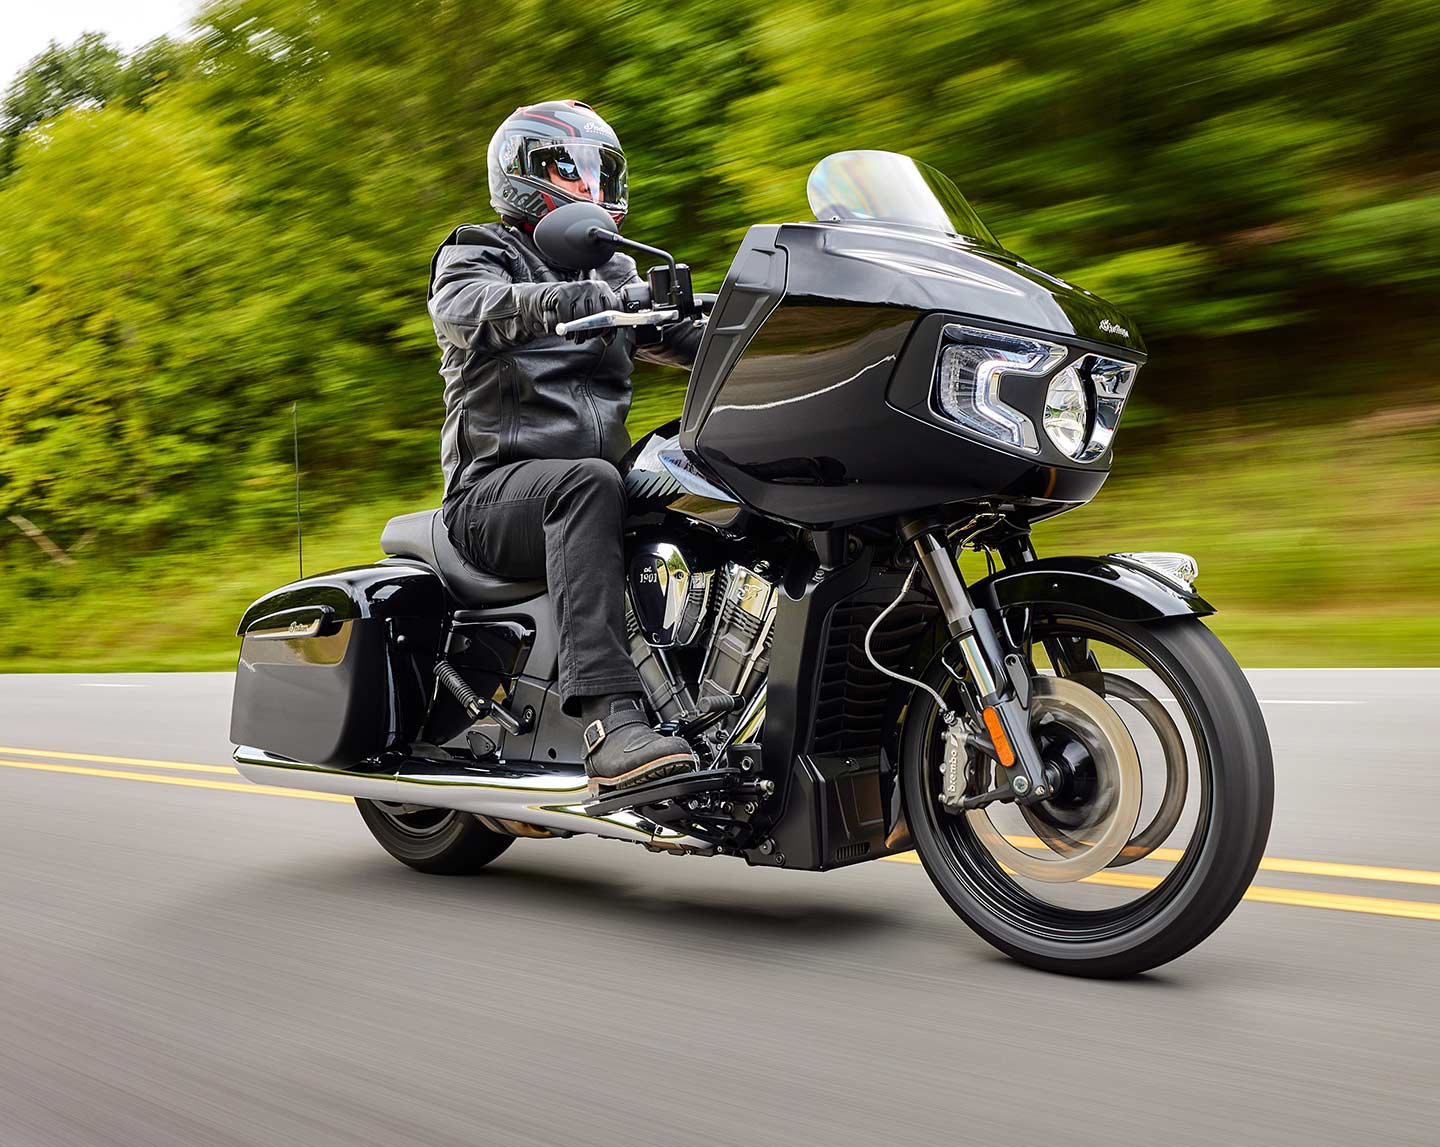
column 1290, row 701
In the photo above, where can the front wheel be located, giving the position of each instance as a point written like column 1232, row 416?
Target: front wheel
column 441, row 841
column 1194, row 819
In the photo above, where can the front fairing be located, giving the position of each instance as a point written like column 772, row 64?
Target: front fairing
column 878, row 264
column 810, row 399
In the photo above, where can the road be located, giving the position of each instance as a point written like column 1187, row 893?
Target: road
column 183, row 961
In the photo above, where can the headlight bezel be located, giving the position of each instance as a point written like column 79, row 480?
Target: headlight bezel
column 1018, row 392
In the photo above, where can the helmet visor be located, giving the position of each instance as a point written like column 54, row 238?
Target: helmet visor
column 583, row 170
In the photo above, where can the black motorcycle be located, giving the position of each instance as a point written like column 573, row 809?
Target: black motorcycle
column 1079, row 764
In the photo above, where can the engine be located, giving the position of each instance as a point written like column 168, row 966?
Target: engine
column 696, row 633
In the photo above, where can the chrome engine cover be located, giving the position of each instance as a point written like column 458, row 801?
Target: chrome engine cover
column 668, row 598
column 738, row 654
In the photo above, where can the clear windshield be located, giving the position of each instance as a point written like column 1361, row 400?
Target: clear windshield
column 885, row 187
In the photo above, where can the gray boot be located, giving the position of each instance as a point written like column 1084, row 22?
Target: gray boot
column 622, row 750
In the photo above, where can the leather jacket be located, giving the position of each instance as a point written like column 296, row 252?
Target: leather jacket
column 513, row 392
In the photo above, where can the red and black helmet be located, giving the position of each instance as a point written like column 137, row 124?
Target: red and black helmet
column 549, row 154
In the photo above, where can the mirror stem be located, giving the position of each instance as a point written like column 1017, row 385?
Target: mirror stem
column 634, row 245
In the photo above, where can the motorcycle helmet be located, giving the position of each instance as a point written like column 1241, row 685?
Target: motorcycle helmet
column 545, row 155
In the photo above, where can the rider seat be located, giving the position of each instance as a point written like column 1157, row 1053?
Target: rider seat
column 423, row 536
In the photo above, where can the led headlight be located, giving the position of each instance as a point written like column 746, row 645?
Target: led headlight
column 1083, row 404
column 1110, row 383
column 972, row 363
column 1067, row 412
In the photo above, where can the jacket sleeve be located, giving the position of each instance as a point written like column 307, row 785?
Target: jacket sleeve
column 474, row 301
column 677, row 346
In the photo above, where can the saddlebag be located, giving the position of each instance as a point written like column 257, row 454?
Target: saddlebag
column 334, row 670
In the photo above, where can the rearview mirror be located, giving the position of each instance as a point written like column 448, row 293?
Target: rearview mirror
column 575, row 236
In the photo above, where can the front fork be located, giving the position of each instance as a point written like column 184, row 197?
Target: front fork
column 996, row 691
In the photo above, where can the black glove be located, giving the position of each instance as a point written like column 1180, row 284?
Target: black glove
column 587, row 297
column 544, row 305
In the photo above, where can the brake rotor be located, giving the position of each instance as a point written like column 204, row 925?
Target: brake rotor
column 1053, row 826
column 1111, row 808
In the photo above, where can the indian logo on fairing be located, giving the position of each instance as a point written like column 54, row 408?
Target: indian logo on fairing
column 1113, row 328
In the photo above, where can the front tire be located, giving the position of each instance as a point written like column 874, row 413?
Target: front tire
column 1210, row 874
column 443, row 842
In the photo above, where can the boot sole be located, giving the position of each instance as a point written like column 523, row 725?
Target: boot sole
column 651, row 771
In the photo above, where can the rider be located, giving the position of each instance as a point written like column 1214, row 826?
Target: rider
column 535, row 424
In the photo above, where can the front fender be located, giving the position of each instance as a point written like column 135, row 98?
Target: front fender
column 1107, row 587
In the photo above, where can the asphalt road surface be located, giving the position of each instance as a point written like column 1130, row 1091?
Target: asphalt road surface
column 185, row 961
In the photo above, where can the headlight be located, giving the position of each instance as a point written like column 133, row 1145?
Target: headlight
column 1083, row 402
column 968, row 383
column 1067, row 412
column 1110, row 382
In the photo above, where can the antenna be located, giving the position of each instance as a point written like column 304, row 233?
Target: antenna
column 299, row 533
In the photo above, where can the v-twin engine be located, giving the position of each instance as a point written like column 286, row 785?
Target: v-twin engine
column 696, row 633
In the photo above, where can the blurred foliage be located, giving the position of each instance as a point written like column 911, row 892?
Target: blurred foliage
column 203, row 232
column 1344, row 576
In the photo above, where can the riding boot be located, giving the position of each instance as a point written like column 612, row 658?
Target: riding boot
column 622, row 750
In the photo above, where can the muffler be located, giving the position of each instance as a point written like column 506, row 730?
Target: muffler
column 552, row 799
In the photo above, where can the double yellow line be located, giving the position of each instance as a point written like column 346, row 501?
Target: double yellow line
column 51, row 761
column 155, row 779
column 1296, row 897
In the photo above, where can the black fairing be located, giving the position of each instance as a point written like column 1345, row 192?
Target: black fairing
column 354, row 681
column 810, row 395
column 652, row 490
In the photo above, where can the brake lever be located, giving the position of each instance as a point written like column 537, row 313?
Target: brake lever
column 605, row 320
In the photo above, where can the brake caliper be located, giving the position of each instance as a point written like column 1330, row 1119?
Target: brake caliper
column 954, row 767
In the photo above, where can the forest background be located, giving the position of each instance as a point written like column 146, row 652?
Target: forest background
column 196, row 235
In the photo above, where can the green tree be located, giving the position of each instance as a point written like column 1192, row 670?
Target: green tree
column 204, row 231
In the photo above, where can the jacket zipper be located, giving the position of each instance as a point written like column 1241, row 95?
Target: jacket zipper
column 590, row 399
column 511, row 414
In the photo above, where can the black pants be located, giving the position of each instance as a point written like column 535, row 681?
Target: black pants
column 561, row 520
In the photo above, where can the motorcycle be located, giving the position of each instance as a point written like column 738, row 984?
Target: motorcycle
column 881, row 396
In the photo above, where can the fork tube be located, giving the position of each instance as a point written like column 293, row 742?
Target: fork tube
column 959, row 611
column 984, row 658
column 1017, row 551
column 950, row 591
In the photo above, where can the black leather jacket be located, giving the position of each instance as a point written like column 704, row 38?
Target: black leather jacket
column 512, row 392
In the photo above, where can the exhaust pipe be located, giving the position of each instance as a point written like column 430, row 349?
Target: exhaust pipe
column 552, row 800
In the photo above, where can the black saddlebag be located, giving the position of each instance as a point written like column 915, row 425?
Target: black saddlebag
column 334, row 670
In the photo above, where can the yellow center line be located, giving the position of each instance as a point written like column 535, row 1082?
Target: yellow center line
column 95, row 757
column 1323, row 868
column 1294, row 897
column 1295, row 867
column 191, row 782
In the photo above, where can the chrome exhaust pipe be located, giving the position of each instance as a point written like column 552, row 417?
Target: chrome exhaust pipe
column 552, row 800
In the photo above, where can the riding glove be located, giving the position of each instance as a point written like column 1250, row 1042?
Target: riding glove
column 547, row 304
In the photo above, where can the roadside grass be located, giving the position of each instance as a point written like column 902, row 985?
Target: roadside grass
column 1319, row 547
